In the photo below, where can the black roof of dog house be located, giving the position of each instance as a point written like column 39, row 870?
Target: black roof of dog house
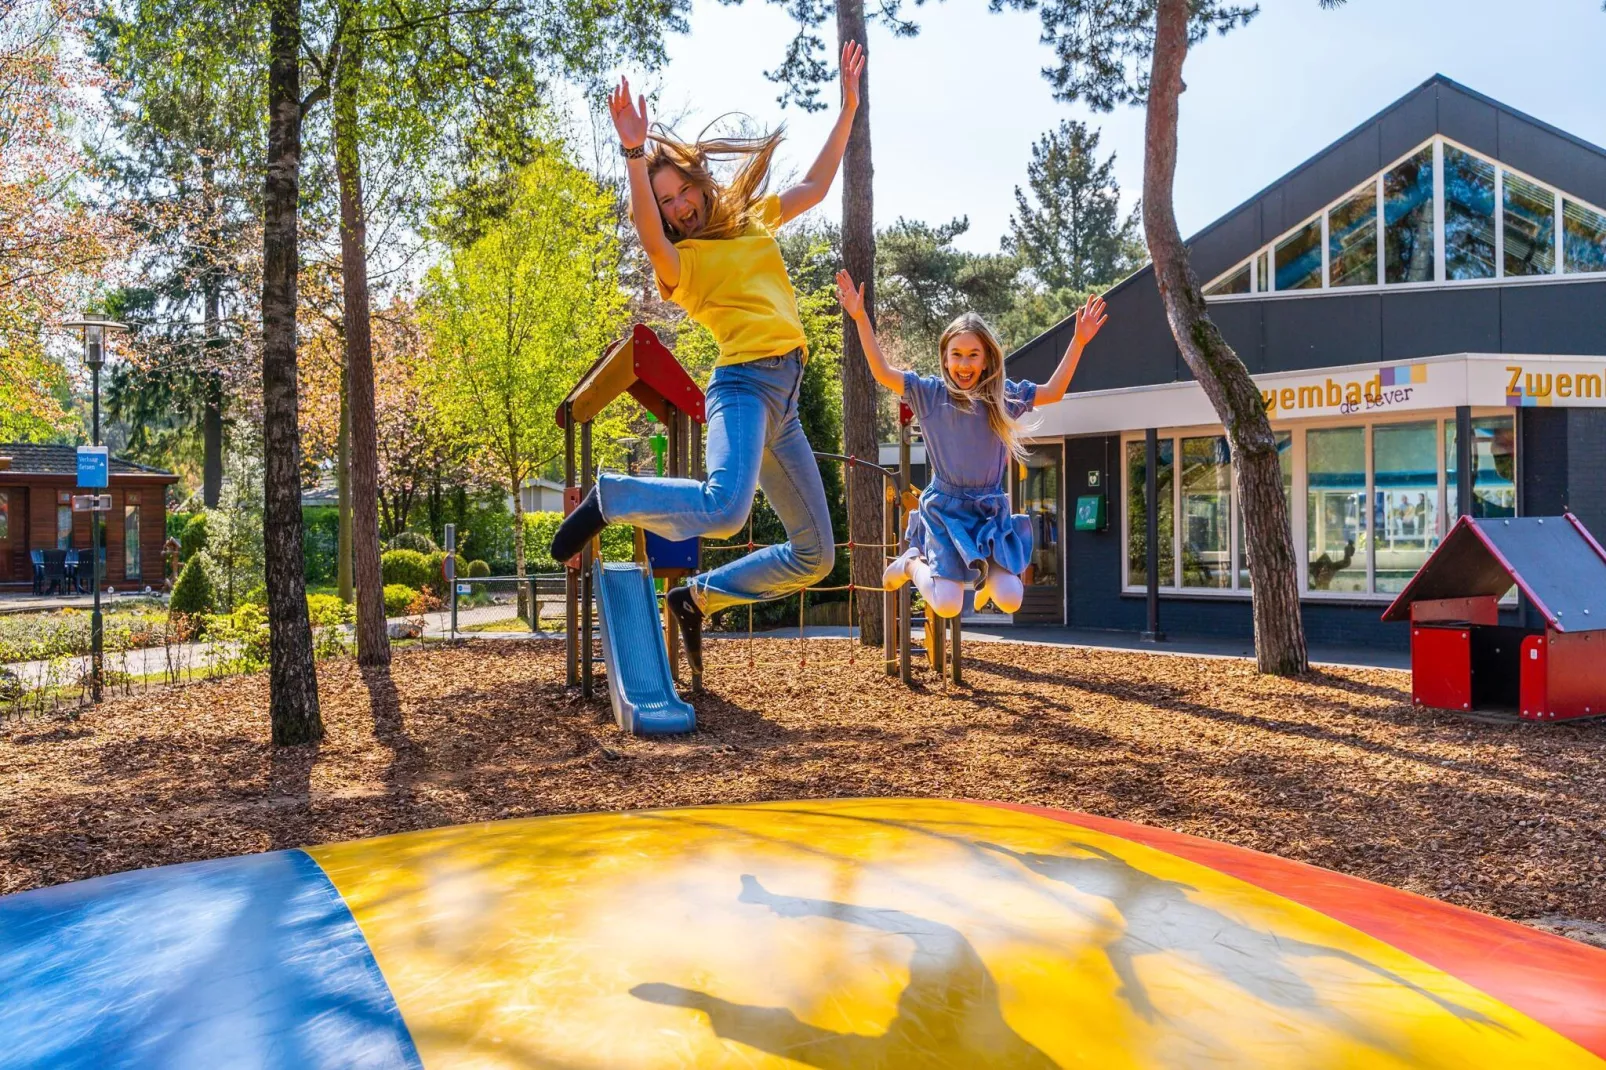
column 1557, row 308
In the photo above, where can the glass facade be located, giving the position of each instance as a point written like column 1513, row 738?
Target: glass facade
column 1530, row 227
column 1379, row 496
column 1137, row 544
column 1206, row 512
column 1583, row 238
column 1405, row 501
column 1040, row 502
column 1299, row 258
column 1494, row 223
column 1352, row 240
column 1408, row 222
column 1468, row 216
column 1236, row 283
column 1494, row 467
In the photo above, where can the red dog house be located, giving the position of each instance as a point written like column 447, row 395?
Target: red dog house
column 1462, row 658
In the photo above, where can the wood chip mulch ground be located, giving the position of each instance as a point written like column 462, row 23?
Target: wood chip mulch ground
column 1335, row 768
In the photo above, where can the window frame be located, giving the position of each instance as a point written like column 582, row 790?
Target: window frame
column 1437, row 143
column 1298, row 519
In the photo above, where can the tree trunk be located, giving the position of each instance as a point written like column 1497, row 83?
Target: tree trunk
column 343, row 497
column 373, row 642
column 864, row 489
column 292, row 677
column 1279, row 632
column 518, row 552
column 212, row 410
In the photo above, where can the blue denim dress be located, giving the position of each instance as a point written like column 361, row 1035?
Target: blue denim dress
column 964, row 518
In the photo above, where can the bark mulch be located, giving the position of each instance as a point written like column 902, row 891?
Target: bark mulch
column 1334, row 768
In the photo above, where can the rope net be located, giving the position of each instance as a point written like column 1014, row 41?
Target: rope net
column 885, row 552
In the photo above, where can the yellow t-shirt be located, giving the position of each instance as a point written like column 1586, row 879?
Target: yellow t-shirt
column 738, row 288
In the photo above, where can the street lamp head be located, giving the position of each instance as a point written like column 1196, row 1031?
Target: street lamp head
column 94, row 328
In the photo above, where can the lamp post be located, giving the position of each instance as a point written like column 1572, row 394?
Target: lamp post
column 93, row 329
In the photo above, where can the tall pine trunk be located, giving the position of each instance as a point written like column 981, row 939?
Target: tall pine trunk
column 292, row 677
column 864, row 489
column 1279, row 631
column 212, row 406
column 343, row 498
column 525, row 610
column 373, row 642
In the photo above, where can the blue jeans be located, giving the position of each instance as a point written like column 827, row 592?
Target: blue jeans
column 754, row 440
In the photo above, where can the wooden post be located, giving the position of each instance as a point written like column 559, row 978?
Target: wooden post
column 586, row 479
column 571, row 579
column 953, row 656
column 889, row 601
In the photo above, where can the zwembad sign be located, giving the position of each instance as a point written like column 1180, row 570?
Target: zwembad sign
column 1364, row 391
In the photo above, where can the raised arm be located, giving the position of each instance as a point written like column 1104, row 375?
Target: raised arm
column 1089, row 318
column 852, row 298
column 630, row 120
column 817, row 183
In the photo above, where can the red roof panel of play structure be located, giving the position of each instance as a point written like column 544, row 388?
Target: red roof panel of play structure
column 655, row 379
column 1553, row 560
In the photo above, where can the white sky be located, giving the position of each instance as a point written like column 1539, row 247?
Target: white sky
column 955, row 110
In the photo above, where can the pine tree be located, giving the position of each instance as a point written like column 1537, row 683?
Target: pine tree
column 1070, row 233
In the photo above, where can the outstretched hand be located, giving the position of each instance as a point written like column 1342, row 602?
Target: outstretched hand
column 850, row 296
column 1089, row 318
column 629, row 118
column 852, row 68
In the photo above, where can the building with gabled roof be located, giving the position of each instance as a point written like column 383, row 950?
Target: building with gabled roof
column 1423, row 304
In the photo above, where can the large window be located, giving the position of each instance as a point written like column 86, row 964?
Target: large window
column 64, row 527
column 1494, row 467
column 1583, row 237
column 1137, row 516
column 1377, row 499
column 1444, row 214
column 1530, row 227
column 1040, row 502
column 1335, row 512
column 1405, row 500
column 1352, row 240
column 1206, row 512
column 1299, row 258
column 1468, row 216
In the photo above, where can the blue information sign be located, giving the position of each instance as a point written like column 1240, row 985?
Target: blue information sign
column 94, row 467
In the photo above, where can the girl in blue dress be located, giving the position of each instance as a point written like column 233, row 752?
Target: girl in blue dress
column 964, row 531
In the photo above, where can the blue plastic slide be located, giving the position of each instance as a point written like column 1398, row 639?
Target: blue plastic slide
column 639, row 682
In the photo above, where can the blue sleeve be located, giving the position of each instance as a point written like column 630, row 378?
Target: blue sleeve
column 1020, row 397
column 924, row 393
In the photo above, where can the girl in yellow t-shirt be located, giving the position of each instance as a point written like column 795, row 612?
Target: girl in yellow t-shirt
column 712, row 248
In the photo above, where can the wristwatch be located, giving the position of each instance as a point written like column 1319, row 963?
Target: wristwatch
column 633, row 153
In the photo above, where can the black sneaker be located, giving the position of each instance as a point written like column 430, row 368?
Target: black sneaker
column 691, row 625
column 578, row 528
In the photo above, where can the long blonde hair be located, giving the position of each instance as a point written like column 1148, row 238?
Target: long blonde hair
column 732, row 206
column 989, row 390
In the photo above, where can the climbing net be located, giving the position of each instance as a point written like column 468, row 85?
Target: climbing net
column 895, row 485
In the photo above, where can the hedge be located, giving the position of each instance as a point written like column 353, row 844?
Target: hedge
column 398, row 596
column 413, row 540
column 410, row 568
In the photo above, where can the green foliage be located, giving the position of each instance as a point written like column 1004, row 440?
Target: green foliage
column 1070, row 234
column 176, row 522
column 437, row 562
column 923, row 282
column 398, row 597
column 412, row 540
column 408, row 567
column 618, row 542
column 242, row 638
column 195, row 536
column 1037, row 311
column 320, row 542
column 327, row 610
column 478, row 568
column 196, row 589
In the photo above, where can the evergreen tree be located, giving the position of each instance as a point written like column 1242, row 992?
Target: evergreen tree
column 1069, row 233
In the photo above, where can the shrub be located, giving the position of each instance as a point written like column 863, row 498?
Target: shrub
column 409, row 568
column 412, row 540
column 244, row 634
column 196, row 537
column 437, row 564
column 196, row 589
column 618, row 542
column 327, row 610
column 478, row 568
column 398, row 596
column 257, row 596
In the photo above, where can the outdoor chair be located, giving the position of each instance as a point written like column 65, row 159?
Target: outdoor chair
column 37, row 558
column 69, row 566
column 55, row 570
